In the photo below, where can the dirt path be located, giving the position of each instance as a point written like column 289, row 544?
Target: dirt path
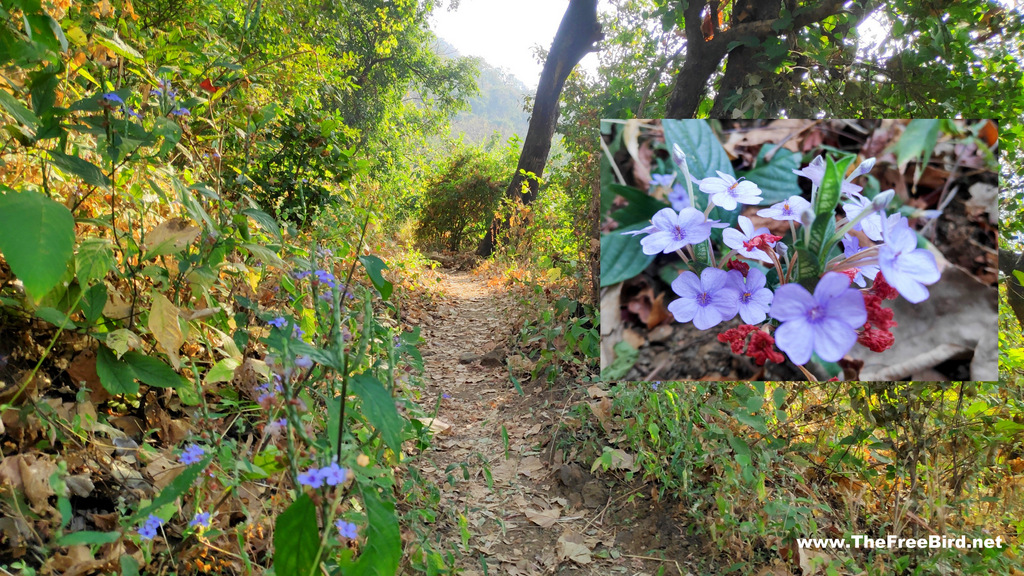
column 537, row 516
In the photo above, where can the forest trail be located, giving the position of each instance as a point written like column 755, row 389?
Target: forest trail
column 537, row 516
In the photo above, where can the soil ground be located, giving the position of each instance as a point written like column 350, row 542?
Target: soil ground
column 540, row 515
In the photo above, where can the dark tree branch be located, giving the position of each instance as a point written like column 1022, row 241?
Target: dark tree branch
column 703, row 58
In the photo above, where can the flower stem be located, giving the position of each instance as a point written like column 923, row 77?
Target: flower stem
column 807, row 373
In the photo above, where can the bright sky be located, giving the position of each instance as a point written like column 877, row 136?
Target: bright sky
column 504, row 33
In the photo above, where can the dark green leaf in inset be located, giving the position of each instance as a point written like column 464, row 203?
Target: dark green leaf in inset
column 87, row 171
column 382, row 552
column 776, row 178
column 153, row 371
column 93, row 301
column 622, row 257
column 641, row 207
column 296, row 538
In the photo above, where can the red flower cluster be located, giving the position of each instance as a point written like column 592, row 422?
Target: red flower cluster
column 735, row 264
column 762, row 242
column 876, row 335
column 761, row 347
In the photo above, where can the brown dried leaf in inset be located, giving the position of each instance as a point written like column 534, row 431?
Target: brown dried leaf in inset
column 35, row 477
column 170, row 236
column 602, row 409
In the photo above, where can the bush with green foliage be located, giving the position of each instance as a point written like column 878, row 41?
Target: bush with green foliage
column 462, row 197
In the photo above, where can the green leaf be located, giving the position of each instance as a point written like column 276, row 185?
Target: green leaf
column 55, row 317
column 88, row 537
column 625, row 357
column 622, row 257
column 296, row 538
column 704, row 153
column 641, row 207
column 379, row 408
column 93, row 301
column 383, row 549
column 18, row 110
column 37, row 237
column 182, row 483
column 828, row 193
column 918, row 139
column 89, row 173
column 1019, row 276
column 94, row 259
column 374, row 267
column 823, row 228
column 265, row 221
column 223, row 371
column 265, row 255
column 153, row 371
column 119, row 47
column 776, row 178
column 116, row 376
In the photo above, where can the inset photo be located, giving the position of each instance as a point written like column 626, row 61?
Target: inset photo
column 799, row 250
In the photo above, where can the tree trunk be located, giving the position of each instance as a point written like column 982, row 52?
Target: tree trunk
column 1008, row 262
column 577, row 35
column 704, row 57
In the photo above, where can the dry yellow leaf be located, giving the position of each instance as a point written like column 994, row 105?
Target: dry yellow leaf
column 163, row 323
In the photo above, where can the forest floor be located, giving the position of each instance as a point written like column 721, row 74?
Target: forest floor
column 526, row 510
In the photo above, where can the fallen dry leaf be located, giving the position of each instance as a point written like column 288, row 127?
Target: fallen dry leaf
column 571, row 547
column 543, row 518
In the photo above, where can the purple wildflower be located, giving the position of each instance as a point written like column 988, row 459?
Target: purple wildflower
column 148, row 530
column 202, row 519
column 662, row 180
column 905, row 266
column 726, row 191
column 301, row 274
column 111, row 98
column 789, row 209
column 735, row 239
column 707, row 300
column 311, row 478
column 180, row 111
column 347, row 529
column 334, row 474
column 871, row 225
column 825, row 322
column 303, row 361
column 325, row 277
column 669, row 231
column 755, row 299
column 278, row 322
column 815, row 171
column 192, row 454
column 851, row 247
column 679, row 198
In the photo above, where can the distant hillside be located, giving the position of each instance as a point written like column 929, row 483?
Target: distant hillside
column 498, row 107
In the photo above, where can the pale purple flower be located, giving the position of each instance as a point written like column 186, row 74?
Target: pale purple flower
column 815, row 171
column 871, row 225
column 669, row 231
column 311, row 478
column 679, row 198
column 111, row 98
column 851, row 247
column 325, row 277
column 662, row 179
column 789, row 209
column 347, row 529
column 906, row 267
column 303, row 361
column 726, row 191
column 734, row 239
column 754, row 298
column 201, row 519
column 825, row 322
column 707, row 301
column 334, row 474
column 192, row 454
column 180, row 111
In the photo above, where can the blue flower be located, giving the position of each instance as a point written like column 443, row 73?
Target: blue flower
column 180, row 111
column 202, row 519
column 726, row 191
column 148, row 530
column 311, row 478
column 303, row 362
column 825, row 322
column 707, row 301
column 905, row 266
column 192, row 454
column 278, row 322
column 755, row 299
column 347, row 529
column 654, row 385
column 679, row 198
column 669, row 231
column 662, row 179
column 325, row 277
column 334, row 474
column 789, row 209
column 111, row 98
